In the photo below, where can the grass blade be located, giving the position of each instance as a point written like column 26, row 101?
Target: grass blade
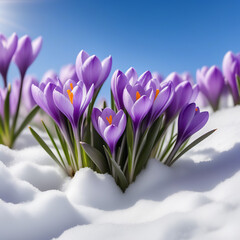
column 26, row 121
column 45, row 146
column 191, row 145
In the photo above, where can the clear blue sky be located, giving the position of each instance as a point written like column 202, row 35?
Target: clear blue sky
column 163, row 36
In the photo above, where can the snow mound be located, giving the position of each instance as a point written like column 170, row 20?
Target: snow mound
column 197, row 198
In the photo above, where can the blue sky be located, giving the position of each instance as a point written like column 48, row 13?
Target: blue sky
column 163, row 36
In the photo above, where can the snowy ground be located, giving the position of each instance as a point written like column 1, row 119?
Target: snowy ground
column 198, row 198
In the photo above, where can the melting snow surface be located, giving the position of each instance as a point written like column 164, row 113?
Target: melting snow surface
column 198, row 198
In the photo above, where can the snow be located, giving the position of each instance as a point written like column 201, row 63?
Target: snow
column 197, row 198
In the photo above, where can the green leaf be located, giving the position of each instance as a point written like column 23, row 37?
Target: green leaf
column 119, row 172
column 7, row 111
column 53, row 142
column 95, row 156
column 113, row 106
column 130, row 136
column 191, row 145
column 45, row 146
column 63, row 144
column 27, row 120
column 238, row 84
column 150, row 142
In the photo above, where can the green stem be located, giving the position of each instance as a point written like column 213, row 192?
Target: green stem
column 18, row 109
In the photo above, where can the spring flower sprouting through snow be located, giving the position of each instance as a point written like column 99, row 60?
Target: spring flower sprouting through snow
column 109, row 125
column 7, row 49
column 91, row 70
column 211, row 84
column 190, row 121
column 231, row 69
column 23, row 52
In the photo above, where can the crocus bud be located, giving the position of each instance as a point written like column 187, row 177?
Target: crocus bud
column 109, row 125
column 183, row 94
column 231, row 69
column 68, row 72
column 190, row 121
column 7, row 49
column 211, row 84
column 118, row 83
column 26, row 52
column 91, row 70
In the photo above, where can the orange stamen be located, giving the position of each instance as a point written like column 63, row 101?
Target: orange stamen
column 157, row 92
column 70, row 95
column 196, row 109
column 137, row 95
column 71, row 86
column 109, row 119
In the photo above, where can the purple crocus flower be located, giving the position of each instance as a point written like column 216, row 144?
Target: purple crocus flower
column 28, row 100
column 44, row 98
column 73, row 100
column 183, row 94
column 7, row 49
column 190, row 121
column 211, row 84
column 137, row 102
column 68, row 72
column 26, row 52
column 109, row 125
column 231, row 69
column 164, row 94
column 91, row 70
column 118, row 83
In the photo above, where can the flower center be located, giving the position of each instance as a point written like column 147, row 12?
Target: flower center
column 70, row 94
column 109, row 119
column 196, row 109
column 157, row 92
column 137, row 95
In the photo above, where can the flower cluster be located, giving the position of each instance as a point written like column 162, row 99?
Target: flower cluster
column 214, row 83
column 119, row 140
column 23, row 52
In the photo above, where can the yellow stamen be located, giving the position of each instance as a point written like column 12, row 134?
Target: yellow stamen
column 109, row 119
column 70, row 95
column 137, row 95
column 157, row 92
column 71, row 86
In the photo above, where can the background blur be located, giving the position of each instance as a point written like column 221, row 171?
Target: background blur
column 163, row 36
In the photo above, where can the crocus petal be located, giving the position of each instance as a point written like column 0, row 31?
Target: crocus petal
column 91, row 70
column 36, row 47
column 145, row 78
column 111, row 135
column 81, row 58
column 63, row 104
column 185, row 118
column 95, row 114
column 106, row 68
column 140, row 108
column 199, row 122
column 132, row 76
